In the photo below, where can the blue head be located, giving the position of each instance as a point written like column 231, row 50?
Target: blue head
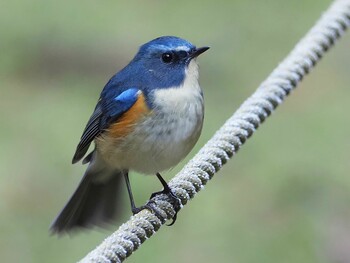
column 162, row 62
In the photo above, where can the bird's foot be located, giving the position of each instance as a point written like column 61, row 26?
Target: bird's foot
column 174, row 200
column 136, row 210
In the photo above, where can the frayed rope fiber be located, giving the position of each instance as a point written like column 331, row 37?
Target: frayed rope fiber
column 230, row 137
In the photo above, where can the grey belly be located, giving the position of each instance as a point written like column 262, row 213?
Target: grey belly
column 158, row 143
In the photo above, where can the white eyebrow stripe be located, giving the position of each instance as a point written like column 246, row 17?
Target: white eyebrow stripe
column 177, row 48
column 185, row 48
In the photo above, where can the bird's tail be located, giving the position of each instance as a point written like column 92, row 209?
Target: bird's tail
column 93, row 203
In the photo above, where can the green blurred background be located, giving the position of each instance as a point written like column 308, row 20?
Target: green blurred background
column 284, row 198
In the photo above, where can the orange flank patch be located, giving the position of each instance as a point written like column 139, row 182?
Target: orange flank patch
column 127, row 121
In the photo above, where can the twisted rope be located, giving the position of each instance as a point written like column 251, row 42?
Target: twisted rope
column 230, row 137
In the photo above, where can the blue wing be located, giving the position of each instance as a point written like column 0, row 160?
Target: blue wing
column 111, row 105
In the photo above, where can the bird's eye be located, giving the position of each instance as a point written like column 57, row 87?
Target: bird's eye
column 167, row 57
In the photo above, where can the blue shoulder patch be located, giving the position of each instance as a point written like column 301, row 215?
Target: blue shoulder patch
column 128, row 96
column 122, row 102
column 114, row 107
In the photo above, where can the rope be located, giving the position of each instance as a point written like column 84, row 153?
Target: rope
column 230, row 137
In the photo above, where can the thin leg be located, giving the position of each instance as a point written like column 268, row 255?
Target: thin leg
column 166, row 187
column 135, row 209
column 128, row 186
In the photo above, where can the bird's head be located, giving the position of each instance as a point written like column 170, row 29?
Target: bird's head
column 168, row 60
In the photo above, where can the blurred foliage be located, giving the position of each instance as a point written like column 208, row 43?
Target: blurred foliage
column 284, row 198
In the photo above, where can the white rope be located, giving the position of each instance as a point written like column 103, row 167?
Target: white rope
column 231, row 136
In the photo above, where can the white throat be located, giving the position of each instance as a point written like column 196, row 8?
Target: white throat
column 188, row 92
column 191, row 76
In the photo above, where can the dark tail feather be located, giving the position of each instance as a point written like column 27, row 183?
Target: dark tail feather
column 93, row 203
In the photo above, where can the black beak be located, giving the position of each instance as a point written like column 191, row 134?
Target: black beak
column 198, row 51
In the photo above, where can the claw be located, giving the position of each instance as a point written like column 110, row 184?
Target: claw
column 175, row 201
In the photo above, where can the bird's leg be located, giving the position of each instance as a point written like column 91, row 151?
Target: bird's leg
column 135, row 209
column 131, row 197
column 167, row 191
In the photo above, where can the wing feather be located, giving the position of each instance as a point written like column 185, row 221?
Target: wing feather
column 107, row 111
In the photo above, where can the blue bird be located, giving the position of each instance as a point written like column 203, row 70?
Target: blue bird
column 147, row 119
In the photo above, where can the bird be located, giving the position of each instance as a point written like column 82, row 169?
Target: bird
column 147, row 119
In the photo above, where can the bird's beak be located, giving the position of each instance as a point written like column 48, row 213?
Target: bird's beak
column 198, row 51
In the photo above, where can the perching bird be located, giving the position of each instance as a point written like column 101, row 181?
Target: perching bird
column 147, row 119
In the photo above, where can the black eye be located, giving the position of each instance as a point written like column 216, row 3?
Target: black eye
column 167, row 57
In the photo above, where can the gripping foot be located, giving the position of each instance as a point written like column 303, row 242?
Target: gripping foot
column 173, row 198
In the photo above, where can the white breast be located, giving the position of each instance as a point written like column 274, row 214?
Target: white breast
column 166, row 136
